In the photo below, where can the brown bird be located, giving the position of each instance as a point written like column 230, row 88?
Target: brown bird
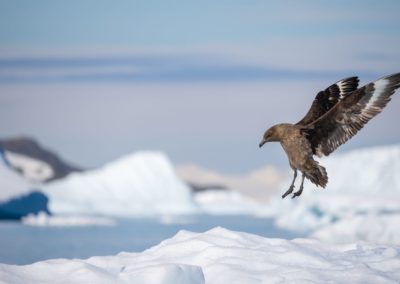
column 335, row 116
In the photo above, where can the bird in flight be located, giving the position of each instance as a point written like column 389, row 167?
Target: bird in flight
column 336, row 115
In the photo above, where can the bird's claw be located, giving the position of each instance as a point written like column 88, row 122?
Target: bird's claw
column 297, row 193
column 289, row 191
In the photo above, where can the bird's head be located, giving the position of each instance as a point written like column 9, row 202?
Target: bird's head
column 269, row 136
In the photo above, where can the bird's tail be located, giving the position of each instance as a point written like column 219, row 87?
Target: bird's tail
column 317, row 175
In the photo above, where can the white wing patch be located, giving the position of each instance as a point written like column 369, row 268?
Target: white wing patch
column 379, row 89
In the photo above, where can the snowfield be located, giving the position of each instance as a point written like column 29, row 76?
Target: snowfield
column 140, row 184
column 221, row 256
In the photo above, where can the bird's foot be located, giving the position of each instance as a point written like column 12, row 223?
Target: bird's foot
column 298, row 193
column 289, row 191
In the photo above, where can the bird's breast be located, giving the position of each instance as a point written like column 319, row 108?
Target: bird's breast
column 298, row 149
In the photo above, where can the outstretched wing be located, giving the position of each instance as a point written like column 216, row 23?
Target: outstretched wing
column 346, row 118
column 326, row 99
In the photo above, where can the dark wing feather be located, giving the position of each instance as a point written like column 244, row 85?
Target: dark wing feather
column 346, row 118
column 326, row 99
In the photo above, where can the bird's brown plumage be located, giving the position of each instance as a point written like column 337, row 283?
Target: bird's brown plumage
column 336, row 115
column 328, row 98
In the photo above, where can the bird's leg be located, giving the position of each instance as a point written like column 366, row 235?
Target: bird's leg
column 298, row 193
column 290, row 190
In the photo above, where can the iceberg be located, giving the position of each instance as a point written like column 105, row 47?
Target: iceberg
column 136, row 185
column 221, row 256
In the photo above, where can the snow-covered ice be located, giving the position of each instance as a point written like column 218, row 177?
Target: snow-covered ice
column 139, row 184
column 221, row 256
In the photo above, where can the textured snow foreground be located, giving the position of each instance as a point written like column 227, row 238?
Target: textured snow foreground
column 221, row 256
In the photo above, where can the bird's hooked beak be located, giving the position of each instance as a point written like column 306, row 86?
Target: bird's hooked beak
column 262, row 143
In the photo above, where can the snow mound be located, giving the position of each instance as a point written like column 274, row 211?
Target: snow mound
column 360, row 181
column 139, row 184
column 221, row 256
column 44, row 220
column 374, row 228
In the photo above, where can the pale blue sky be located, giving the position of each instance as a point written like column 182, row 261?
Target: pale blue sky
column 200, row 80
column 124, row 22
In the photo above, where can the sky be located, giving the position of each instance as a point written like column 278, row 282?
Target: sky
column 201, row 81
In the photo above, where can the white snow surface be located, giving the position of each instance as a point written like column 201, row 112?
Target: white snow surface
column 220, row 256
column 360, row 181
column 11, row 183
column 140, row 184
